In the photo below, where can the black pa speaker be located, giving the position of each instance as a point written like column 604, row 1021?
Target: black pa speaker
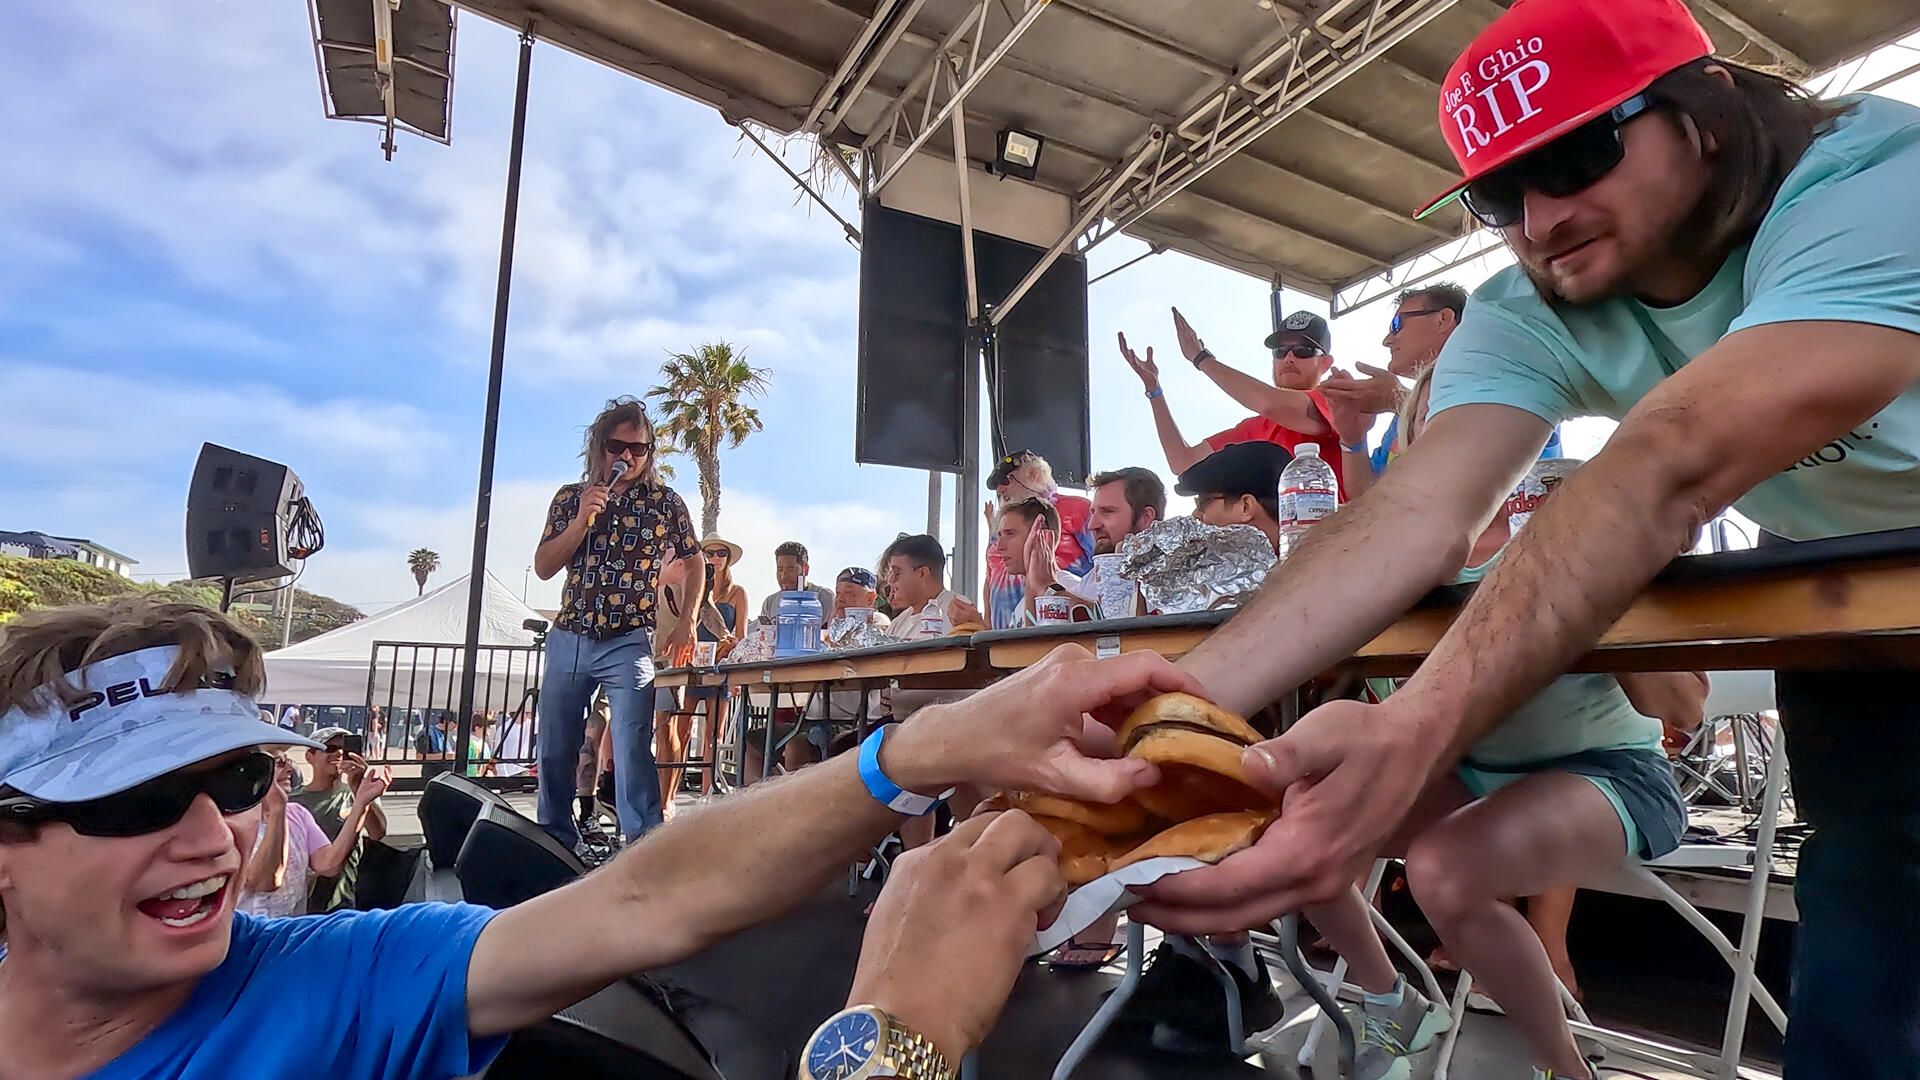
column 239, row 510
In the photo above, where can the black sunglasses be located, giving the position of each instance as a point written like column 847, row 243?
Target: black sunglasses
column 717, row 553
column 234, row 787
column 1566, row 166
column 1397, row 323
column 617, row 447
column 1303, row 352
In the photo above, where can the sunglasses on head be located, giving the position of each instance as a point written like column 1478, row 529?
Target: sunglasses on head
column 234, row 787
column 1400, row 316
column 1303, row 352
column 1566, row 166
column 617, row 447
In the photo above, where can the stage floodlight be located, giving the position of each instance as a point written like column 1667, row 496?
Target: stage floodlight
column 386, row 62
column 1017, row 153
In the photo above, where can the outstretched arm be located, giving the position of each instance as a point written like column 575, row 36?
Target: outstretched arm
column 704, row 876
column 1181, row 455
column 1289, row 408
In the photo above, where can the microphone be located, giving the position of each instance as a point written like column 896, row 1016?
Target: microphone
column 614, row 474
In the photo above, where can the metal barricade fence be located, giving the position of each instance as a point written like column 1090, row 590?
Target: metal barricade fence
column 413, row 698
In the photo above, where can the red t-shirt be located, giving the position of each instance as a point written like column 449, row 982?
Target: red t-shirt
column 1260, row 428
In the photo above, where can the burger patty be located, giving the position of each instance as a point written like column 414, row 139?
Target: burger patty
column 1139, row 733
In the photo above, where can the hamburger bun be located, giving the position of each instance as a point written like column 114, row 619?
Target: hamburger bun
column 1123, row 818
column 1209, row 839
column 1084, row 853
column 1198, row 747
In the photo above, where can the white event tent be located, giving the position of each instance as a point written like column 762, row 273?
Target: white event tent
column 333, row 668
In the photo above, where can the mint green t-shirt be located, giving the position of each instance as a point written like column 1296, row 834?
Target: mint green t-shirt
column 1573, row 714
column 1841, row 243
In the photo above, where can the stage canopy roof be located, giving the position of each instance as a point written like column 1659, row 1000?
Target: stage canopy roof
column 1282, row 138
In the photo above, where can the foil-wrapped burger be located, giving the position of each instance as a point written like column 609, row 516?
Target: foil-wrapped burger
column 1184, row 564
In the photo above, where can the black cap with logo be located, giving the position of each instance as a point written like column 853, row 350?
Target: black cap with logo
column 1302, row 328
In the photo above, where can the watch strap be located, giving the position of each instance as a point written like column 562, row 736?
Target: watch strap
column 881, row 786
column 913, row 1057
column 1155, row 392
column 1202, row 357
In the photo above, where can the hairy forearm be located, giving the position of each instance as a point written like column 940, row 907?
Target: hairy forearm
column 1585, row 554
column 689, row 883
column 1180, row 456
column 1289, row 407
column 1319, row 606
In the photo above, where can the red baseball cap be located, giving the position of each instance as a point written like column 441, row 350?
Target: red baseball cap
column 1548, row 66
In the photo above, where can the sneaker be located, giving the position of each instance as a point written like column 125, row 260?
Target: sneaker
column 1389, row 1034
column 1182, row 997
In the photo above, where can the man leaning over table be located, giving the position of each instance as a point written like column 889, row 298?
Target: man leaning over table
column 1691, row 236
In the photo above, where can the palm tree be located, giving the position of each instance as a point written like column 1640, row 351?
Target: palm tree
column 423, row 562
column 699, row 395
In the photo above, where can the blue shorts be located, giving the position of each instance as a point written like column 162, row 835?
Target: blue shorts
column 1638, row 783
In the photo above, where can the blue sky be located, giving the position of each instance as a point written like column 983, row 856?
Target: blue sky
column 194, row 253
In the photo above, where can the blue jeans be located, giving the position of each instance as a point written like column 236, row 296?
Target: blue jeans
column 575, row 666
column 1853, row 739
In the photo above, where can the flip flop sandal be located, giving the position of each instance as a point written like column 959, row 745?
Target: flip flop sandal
column 1077, row 958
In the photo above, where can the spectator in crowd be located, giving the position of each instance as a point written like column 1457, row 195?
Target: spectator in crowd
column 336, row 776
column 290, row 718
column 480, row 746
column 435, row 743
column 727, row 597
column 290, row 848
column 1238, row 485
column 376, row 732
column 916, row 580
column 117, row 881
column 1025, row 536
column 1287, row 412
column 1024, row 475
column 610, row 532
column 854, row 587
column 1423, row 319
column 790, row 568
column 1125, row 501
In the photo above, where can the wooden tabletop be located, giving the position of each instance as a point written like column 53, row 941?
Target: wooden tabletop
column 1847, row 603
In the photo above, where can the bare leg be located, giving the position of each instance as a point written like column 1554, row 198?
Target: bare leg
column 670, row 744
column 1533, row 835
column 1548, row 913
column 1345, row 921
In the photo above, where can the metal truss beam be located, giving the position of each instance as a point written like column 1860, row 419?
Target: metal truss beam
column 1416, row 271
column 1316, row 56
column 1801, row 69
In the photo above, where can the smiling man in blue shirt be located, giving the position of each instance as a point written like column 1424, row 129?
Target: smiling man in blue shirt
column 1731, row 269
column 131, row 779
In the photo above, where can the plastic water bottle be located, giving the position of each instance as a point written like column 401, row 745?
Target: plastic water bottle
column 796, row 623
column 1308, row 493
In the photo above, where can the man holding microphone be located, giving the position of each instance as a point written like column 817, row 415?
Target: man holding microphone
column 611, row 533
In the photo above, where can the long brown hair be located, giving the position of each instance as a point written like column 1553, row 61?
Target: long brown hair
column 618, row 411
column 1756, row 129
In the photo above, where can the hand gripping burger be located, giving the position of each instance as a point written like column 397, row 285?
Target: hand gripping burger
column 1203, row 807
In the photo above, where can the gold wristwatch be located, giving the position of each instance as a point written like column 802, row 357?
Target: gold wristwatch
column 863, row 1042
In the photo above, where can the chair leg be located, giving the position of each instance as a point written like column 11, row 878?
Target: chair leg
column 1311, row 1048
column 1443, row 1058
column 1744, row 982
column 1288, row 927
column 1103, row 1019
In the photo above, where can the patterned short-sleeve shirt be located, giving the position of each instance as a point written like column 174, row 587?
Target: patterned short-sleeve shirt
column 613, row 579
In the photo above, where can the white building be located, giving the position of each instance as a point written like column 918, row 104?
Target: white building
column 38, row 545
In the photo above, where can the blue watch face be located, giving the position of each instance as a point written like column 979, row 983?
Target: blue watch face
column 843, row 1046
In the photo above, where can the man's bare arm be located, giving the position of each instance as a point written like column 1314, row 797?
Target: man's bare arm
column 1289, row 408
column 1739, row 413
column 765, row 850
column 1363, row 567
column 1181, row 455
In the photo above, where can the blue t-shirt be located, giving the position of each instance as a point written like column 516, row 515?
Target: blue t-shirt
column 1384, row 452
column 1841, row 243
column 350, row 996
